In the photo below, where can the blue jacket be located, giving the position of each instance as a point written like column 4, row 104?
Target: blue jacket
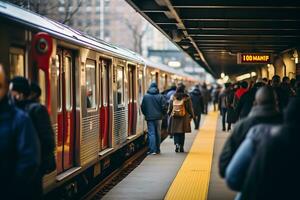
column 237, row 169
column 154, row 105
column 19, row 151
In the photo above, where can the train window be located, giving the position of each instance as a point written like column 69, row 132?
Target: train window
column 42, row 84
column 17, row 62
column 120, row 85
column 68, row 80
column 90, row 83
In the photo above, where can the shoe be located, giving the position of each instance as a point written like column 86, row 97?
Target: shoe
column 158, row 152
column 228, row 129
column 154, row 153
column 176, row 148
column 171, row 136
column 181, row 149
column 224, row 129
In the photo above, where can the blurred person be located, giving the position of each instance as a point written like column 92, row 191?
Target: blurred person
column 197, row 101
column 171, row 92
column 224, row 104
column 274, row 172
column 26, row 97
column 245, row 103
column 237, row 169
column 282, row 99
column 265, row 81
column 153, row 108
column 206, row 97
column 264, row 111
column 181, row 113
column 215, row 96
column 242, row 90
column 19, row 149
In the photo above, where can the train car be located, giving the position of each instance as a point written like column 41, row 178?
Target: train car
column 92, row 90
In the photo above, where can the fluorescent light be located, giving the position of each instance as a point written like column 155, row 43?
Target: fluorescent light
column 242, row 77
column 174, row 64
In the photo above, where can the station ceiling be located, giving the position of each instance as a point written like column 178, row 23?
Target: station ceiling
column 212, row 32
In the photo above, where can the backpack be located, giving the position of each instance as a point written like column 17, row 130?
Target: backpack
column 178, row 108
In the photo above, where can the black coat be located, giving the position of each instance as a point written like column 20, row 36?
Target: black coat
column 19, row 153
column 197, row 101
column 258, row 115
column 245, row 103
column 42, row 124
column 274, row 172
column 154, row 105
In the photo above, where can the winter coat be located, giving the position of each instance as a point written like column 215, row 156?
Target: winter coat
column 19, row 152
column 181, row 124
column 238, row 167
column 197, row 101
column 245, row 103
column 274, row 172
column 259, row 115
column 206, row 95
column 170, row 94
column 42, row 124
column 153, row 105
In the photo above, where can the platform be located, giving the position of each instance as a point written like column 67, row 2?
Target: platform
column 172, row 176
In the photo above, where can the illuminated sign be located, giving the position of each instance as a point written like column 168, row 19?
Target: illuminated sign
column 254, row 58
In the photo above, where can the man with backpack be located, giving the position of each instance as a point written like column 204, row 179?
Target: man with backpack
column 153, row 107
column 20, row 92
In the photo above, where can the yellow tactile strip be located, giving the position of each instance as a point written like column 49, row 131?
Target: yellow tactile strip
column 192, row 180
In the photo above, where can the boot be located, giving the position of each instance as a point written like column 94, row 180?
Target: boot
column 177, row 148
column 181, row 149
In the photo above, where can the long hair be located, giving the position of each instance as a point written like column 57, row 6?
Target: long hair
column 180, row 91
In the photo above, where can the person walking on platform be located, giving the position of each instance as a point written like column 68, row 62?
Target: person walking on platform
column 181, row 113
column 274, row 172
column 19, row 149
column 215, row 96
column 197, row 101
column 224, row 105
column 153, row 108
column 265, row 111
column 206, row 97
column 20, row 92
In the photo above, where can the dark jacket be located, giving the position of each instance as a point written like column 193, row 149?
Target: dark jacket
column 245, row 103
column 197, row 101
column 258, row 115
column 19, row 152
column 274, row 172
column 237, row 169
column 153, row 104
column 181, row 124
column 42, row 124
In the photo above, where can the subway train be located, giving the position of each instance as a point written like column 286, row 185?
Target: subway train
column 92, row 90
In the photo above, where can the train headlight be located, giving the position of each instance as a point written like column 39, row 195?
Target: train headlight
column 42, row 45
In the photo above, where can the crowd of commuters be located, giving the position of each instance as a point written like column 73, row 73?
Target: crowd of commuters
column 27, row 139
column 259, row 158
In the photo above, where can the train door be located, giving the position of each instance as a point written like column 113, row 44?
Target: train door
column 104, row 104
column 132, row 107
column 66, row 108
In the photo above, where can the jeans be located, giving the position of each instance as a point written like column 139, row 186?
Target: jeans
column 224, row 115
column 197, row 119
column 179, row 138
column 154, row 135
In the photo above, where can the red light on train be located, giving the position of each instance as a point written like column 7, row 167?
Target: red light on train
column 42, row 45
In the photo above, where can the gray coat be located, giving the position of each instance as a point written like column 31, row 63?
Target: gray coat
column 181, row 124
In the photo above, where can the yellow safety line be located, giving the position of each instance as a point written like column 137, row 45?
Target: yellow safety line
column 192, row 180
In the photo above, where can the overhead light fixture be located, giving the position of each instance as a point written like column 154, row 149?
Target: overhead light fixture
column 174, row 64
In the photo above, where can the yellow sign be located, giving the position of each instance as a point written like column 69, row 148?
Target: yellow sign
column 253, row 58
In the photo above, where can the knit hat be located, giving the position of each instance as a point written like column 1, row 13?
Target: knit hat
column 153, row 84
column 20, row 84
column 34, row 87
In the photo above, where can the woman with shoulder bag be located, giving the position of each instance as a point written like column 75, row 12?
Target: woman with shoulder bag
column 181, row 113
